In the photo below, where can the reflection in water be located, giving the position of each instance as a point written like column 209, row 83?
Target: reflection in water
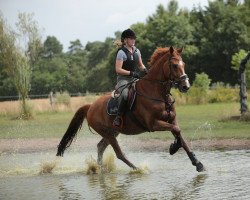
column 191, row 189
column 66, row 194
column 110, row 187
column 168, row 178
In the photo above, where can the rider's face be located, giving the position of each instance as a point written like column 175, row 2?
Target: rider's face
column 130, row 41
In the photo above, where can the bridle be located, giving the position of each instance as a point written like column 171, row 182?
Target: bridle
column 166, row 84
column 171, row 83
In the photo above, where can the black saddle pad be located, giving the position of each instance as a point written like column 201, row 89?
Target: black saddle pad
column 112, row 106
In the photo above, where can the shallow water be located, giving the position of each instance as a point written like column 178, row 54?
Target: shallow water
column 162, row 176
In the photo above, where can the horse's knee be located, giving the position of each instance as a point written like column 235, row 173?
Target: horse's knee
column 176, row 130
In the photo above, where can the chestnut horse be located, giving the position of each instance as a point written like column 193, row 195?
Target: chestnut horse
column 154, row 110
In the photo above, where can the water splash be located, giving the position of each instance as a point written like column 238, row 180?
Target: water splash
column 92, row 166
column 48, row 166
column 109, row 161
column 143, row 169
column 108, row 164
column 205, row 129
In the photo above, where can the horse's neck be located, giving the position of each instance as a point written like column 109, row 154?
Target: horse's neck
column 153, row 85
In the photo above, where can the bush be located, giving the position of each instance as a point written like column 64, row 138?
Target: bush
column 197, row 95
column 220, row 93
column 202, row 81
column 26, row 110
column 199, row 91
column 62, row 98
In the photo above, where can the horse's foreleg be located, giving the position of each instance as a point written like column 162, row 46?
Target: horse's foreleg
column 174, row 147
column 174, row 128
column 191, row 155
column 161, row 125
column 120, row 155
column 101, row 146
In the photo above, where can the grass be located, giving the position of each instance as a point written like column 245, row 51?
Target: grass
column 196, row 121
column 208, row 121
column 45, row 125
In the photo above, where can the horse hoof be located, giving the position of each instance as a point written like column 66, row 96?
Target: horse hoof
column 174, row 147
column 200, row 167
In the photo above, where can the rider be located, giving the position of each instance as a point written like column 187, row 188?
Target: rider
column 127, row 59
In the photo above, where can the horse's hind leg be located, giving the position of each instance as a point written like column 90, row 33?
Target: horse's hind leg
column 109, row 137
column 120, row 155
column 101, row 146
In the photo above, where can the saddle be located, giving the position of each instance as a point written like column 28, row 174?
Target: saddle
column 112, row 105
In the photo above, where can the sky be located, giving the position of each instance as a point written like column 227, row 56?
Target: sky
column 86, row 20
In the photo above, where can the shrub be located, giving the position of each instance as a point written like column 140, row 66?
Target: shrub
column 199, row 91
column 221, row 93
column 202, row 81
column 26, row 111
column 197, row 95
column 62, row 98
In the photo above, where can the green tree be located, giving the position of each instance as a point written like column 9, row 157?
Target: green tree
column 221, row 30
column 50, row 75
column 75, row 47
column 52, row 47
column 77, row 67
column 17, row 60
column 98, row 65
column 30, row 36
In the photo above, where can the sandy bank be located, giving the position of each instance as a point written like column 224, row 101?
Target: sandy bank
column 128, row 143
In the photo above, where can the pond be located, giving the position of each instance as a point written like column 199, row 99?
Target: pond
column 25, row 176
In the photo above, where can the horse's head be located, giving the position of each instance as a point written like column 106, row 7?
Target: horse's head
column 177, row 70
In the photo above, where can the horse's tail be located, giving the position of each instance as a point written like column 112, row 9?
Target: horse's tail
column 74, row 126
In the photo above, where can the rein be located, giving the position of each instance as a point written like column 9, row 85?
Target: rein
column 153, row 99
column 159, row 82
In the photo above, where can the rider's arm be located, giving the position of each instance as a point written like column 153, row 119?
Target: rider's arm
column 141, row 65
column 120, row 58
column 118, row 68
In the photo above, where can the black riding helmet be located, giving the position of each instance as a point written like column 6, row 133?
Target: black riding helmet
column 128, row 33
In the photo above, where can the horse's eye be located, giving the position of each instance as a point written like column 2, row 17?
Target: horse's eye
column 175, row 66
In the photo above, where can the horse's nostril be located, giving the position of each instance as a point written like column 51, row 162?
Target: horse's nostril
column 185, row 88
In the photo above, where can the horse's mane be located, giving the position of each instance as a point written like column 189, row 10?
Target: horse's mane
column 158, row 53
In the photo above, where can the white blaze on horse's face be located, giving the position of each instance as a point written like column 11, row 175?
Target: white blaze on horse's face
column 181, row 80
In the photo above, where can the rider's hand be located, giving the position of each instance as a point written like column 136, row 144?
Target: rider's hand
column 134, row 74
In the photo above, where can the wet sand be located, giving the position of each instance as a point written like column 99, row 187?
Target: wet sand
column 126, row 143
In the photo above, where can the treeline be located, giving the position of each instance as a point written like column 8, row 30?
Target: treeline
column 210, row 37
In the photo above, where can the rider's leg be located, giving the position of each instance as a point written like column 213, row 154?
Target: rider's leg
column 118, row 121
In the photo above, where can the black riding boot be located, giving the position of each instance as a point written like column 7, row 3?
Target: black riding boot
column 118, row 121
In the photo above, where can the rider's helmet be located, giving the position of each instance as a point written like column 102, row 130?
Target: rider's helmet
column 128, row 33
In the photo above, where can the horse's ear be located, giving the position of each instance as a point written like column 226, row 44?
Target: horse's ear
column 171, row 49
column 180, row 50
